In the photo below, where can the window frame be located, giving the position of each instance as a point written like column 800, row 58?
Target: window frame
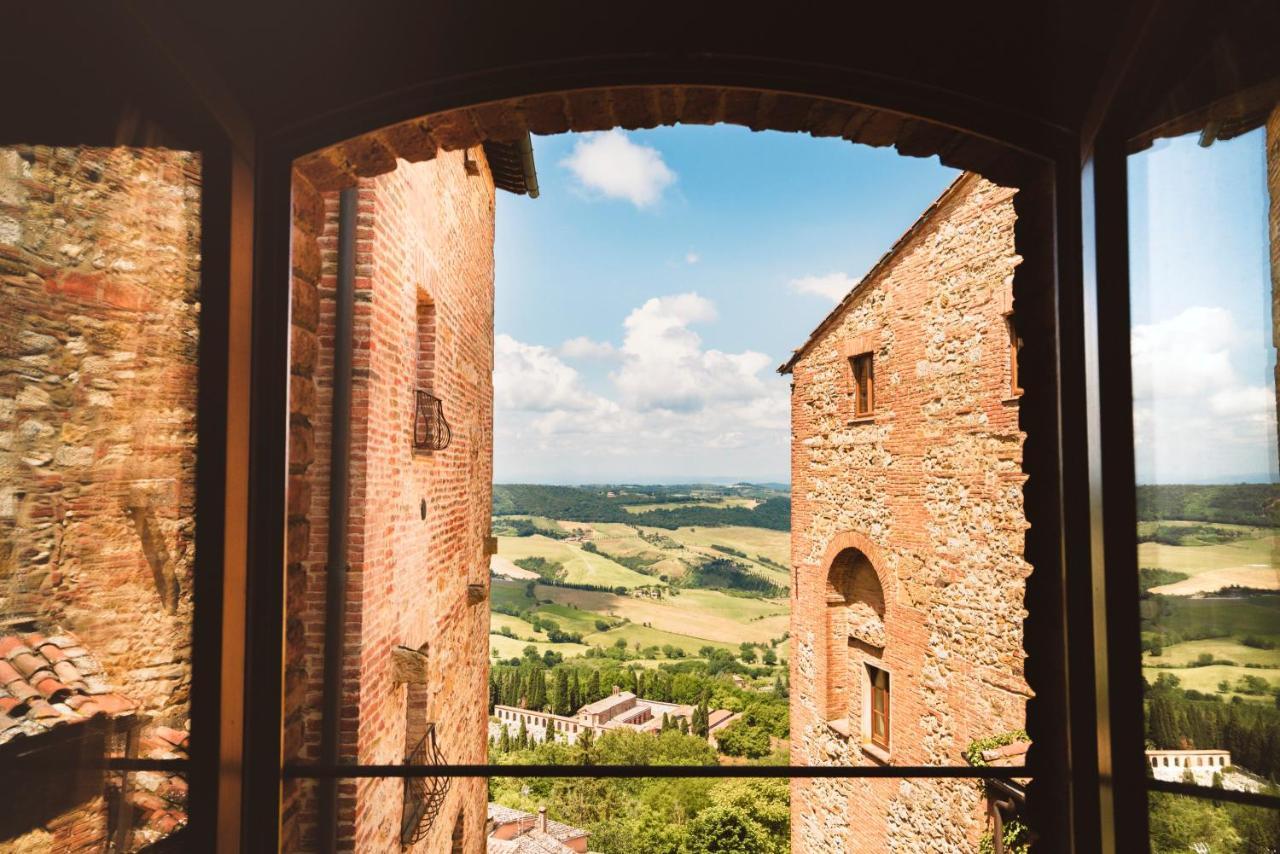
column 862, row 374
column 873, row 692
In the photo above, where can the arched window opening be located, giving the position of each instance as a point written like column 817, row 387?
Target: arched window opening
column 855, row 642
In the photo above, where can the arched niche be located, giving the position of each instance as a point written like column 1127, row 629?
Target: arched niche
column 854, row 628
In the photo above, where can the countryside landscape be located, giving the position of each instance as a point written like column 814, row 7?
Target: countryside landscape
column 677, row 594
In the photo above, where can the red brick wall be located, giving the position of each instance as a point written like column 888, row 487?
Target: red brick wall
column 99, row 310
column 425, row 232
column 930, row 491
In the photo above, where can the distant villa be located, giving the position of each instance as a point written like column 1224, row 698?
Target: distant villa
column 620, row 710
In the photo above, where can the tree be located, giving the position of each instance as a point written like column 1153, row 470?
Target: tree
column 1187, row 824
column 522, row 738
column 769, row 657
column 562, row 699
column 594, row 691
column 538, row 690
column 748, row 652
column 575, row 693
column 727, row 830
column 741, row 738
column 504, row 741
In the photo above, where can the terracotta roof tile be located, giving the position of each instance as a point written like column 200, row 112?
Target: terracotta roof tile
column 49, row 681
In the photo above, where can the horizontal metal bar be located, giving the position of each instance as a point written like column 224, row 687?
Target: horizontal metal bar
column 41, row 765
column 298, row 770
column 1208, row 793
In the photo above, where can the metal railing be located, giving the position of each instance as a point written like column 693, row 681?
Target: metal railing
column 431, row 432
column 423, row 795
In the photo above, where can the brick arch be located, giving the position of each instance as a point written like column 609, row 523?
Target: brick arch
column 849, row 629
column 859, row 542
column 635, row 107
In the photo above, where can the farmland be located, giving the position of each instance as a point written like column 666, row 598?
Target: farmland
column 1211, row 622
column 653, row 592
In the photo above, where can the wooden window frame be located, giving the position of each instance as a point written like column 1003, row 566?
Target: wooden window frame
column 862, row 370
column 1015, row 345
column 874, row 694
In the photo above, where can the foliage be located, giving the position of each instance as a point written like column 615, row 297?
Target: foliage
column 1149, row 577
column 547, row 569
column 1240, row 504
column 1189, row 535
column 729, row 575
column 1017, row 839
column 1184, row 824
column 583, row 504
column 973, row 753
column 1178, row 719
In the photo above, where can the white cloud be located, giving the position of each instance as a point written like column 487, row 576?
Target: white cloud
column 692, row 257
column 583, row 347
column 1195, row 418
column 670, row 407
column 832, row 286
column 531, row 378
column 611, row 164
column 1184, row 356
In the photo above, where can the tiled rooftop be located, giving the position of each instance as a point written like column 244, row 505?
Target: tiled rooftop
column 608, row 702
column 46, row 682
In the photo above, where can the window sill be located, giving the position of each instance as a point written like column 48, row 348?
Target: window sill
column 1013, row 398
column 862, row 419
column 876, row 752
column 841, row 727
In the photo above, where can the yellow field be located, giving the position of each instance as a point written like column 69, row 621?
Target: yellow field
column 508, row 648
column 1251, row 561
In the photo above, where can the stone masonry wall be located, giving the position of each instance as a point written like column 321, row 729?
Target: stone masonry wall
column 99, row 310
column 929, row 490
column 99, row 250
column 424, row 234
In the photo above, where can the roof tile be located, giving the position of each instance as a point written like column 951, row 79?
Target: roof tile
column 48, row 681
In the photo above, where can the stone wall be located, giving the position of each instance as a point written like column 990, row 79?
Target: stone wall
column 99, row 311
column 418, row 520
column 929, row 491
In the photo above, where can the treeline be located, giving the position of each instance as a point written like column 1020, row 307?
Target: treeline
column 1237, row 503
column 1185, row 720
column 730, row 576
column 583, row 505
column 564, row 687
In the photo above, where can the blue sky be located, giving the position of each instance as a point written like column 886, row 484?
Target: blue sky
column 644, row 300
column 1204, row 389
column 646, row 297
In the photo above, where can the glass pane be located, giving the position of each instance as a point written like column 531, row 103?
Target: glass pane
column 1180, row 823
column 1205, row 258
column 99, row 314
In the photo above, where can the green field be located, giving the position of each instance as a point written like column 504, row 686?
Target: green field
column 630, row 556
column 580, row 567
column 1206, row 679
column 1185, row 608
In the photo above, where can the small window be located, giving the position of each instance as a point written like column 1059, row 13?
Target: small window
column 879, row 734
column 864, row 397
column 1015, row 344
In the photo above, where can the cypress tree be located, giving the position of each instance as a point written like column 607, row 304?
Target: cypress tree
column 594, row 691
column 522, row 738
column 562, row 693
column 575, row 693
